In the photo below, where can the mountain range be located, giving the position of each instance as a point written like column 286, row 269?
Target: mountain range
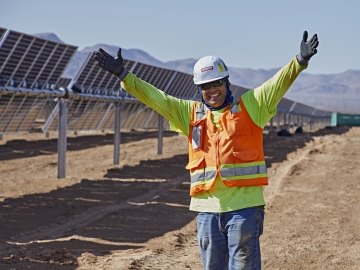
column 338, row 92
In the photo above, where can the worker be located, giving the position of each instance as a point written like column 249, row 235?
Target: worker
column 226, row 156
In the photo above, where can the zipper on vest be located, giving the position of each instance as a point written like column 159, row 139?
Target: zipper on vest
column 217, row 141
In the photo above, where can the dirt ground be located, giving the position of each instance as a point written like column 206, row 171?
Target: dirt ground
column 135, row 215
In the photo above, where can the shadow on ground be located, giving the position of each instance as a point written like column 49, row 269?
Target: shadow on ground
column 22, row 148
column 91, row 216
column 276, row 150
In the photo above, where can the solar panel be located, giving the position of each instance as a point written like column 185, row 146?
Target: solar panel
column 93, row 80
column 156, row 76
column 285, row 105
column 7, row 64
column 182, row 86
column 302, row 109
column 31, row 61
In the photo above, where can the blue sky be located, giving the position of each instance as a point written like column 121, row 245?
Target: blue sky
column 249, row 34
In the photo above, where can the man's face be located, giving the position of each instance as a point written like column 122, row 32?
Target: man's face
column 214, row 93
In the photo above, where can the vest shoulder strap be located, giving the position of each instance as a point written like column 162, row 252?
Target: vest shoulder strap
column 235, row 107
column 200, row 111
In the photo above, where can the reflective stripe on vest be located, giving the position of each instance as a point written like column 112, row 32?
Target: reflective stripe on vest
column 243, row 171
column 231, row 171
column 196, row 137
column 203, row 175
column 196, row 132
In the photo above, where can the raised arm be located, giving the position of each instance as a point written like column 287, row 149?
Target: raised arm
column 262, row 102
column 177, row 111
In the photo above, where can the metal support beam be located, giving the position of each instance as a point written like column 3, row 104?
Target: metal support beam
column 117, row 134
column 51, row 118
column 62, row 139
column 160, row 135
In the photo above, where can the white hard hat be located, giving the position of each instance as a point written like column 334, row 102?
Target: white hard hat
column 209, row 68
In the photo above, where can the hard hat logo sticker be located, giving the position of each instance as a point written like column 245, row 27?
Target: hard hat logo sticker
column 207, row 68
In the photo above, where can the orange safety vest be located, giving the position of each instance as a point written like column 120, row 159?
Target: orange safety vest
column 234, row 151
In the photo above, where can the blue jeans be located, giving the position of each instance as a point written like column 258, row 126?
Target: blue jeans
column 230, row 240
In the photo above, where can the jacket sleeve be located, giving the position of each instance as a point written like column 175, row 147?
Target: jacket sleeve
column 176, row 110
column 262, row 102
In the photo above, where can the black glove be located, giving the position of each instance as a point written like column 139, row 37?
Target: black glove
column 111, row 64
column 307, row 48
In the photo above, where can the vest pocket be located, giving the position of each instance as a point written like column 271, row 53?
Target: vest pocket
column 245, row 168
column 193, row 164
column 197, row 169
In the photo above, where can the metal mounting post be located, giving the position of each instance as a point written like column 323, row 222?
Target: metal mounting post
column 117, row 134
column 160, row 135
column 62, row 139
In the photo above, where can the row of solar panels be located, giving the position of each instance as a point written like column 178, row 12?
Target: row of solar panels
column 31, row 71
column 31, row 112
column 31, row 62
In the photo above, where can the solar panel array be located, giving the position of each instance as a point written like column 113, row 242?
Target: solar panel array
column 30, row 73
column 30, row 79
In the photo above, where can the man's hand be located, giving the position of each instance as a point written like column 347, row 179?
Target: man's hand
column 307, row 48
column 111, row 64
